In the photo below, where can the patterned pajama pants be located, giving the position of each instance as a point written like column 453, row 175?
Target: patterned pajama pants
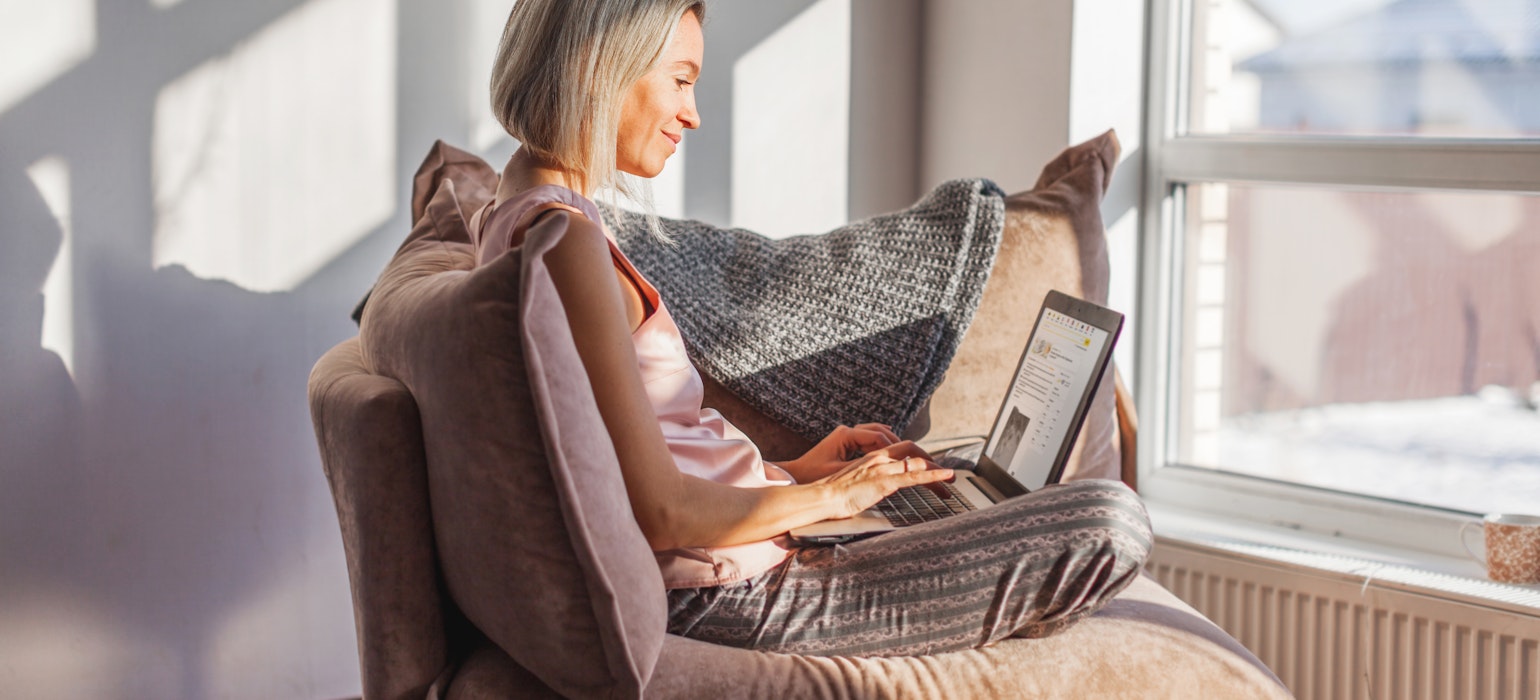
column 1027, row 567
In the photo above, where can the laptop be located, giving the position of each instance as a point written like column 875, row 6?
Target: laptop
column 1033, row 434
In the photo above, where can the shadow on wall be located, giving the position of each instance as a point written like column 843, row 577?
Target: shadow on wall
column 165, row 527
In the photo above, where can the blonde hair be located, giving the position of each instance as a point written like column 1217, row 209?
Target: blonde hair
column 562, row 73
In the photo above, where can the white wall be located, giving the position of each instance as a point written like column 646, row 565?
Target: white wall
column 996, row 89
column 791, row 115
column 194, row 193
column 1008, row 84
column 810, row 114
column 165, row 529
column 1106, row 69
column 886, row 66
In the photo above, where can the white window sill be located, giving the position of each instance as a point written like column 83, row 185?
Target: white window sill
column 1450, row 577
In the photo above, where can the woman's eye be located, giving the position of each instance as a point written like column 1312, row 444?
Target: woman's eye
column 682, row 82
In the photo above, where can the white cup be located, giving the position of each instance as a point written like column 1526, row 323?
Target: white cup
column 1512, row 547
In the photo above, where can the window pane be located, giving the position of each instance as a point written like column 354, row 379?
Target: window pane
column 1385, row 343
column 1381, row 67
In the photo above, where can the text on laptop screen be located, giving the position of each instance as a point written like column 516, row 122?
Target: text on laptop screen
column 1060, row 359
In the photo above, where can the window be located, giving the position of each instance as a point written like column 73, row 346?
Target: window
column 1340, row 266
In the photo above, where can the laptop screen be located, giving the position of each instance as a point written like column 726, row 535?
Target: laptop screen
column 1062, row 360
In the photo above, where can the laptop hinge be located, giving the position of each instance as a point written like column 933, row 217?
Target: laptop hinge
column 989, row 489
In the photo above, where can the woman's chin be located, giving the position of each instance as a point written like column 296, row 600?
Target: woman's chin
column 646, row 171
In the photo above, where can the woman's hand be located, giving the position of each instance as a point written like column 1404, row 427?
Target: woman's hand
column 864, row 482
column 844, row 446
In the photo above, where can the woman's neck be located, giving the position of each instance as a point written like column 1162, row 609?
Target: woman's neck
column 524, row 172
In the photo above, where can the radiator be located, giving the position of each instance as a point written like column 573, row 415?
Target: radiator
column 1333, row 627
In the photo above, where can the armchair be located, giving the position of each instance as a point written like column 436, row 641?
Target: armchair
column 481, row 569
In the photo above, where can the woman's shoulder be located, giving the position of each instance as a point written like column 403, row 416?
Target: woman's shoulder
column 535, row 201
column 504, row 224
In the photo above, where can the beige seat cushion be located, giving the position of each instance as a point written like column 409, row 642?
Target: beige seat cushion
column 1145, row 645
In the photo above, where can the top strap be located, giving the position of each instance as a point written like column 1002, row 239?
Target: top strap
column 527, row 206
column 534, row 212
column 492, row 241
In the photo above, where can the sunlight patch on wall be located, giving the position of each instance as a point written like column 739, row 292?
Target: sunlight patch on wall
column 42, row 41
column 52, row 177
column 164, row 4
column 55, row 639
column 257, row 634
column 1107, row 73
column 274, row 159
column 791, row 126
column 668, row 186
column 1122, row 292
column 487, row 18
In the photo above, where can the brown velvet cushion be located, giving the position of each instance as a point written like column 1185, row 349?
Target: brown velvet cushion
column 371, row 450
column 535, row 534
column 1053, row 239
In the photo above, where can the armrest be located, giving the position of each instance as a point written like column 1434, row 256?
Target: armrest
column 1128, row 431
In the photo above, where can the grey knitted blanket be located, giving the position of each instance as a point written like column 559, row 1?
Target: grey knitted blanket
column 851, row 326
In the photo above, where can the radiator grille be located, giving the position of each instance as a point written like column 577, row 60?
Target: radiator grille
column 1331, row 635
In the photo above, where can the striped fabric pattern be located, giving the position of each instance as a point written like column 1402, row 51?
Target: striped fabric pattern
column 1027, row 567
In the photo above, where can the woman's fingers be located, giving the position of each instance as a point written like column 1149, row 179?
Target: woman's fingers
column 899, row 466
column 905, row 449
column 919, row 477
column 869, row 480
column 914, row 465
column 918, row 472
column 866, row 438
column 851, row 469
column 871, row 465
column 911, row 465
column 926, row 476
column 884, row 430
column 877, row 465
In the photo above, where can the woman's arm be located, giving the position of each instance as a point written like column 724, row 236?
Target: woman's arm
column 674, row 509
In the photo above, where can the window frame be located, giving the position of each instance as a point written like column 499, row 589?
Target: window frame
column 1173, row 160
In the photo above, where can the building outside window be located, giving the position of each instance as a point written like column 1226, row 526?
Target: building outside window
column 1341, row 263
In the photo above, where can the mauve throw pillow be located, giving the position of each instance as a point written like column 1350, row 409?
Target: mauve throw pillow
column 535, row 534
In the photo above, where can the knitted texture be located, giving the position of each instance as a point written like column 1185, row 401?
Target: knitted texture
column 855, row 325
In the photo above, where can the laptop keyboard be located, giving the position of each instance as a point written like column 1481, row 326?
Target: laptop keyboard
column 913, row 505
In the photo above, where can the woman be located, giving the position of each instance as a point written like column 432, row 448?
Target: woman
column 596, row 88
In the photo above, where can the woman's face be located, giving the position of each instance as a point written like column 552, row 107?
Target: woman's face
column 661, row 105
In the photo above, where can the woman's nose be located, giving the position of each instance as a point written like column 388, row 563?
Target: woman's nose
column 688, row 116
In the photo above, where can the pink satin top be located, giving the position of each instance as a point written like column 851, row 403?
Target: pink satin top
column 701, row 441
